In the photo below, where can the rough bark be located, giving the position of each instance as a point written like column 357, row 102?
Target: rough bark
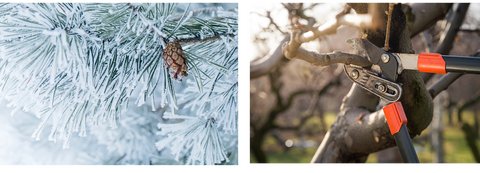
column 351, row 139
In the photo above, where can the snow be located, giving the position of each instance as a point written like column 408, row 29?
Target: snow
column 55, row 33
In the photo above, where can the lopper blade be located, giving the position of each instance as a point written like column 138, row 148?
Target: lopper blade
column 374, row 54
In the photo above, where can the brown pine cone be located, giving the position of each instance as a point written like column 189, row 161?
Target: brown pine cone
column 175, row 60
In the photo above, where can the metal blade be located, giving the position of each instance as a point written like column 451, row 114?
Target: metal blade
column 374, row 54
column 357, row 44
column 408, row 61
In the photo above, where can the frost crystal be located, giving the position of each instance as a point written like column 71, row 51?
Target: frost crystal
column 81, row 65
column 199, row 141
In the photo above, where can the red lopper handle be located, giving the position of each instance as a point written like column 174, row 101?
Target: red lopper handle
column 431, row 63
column 395, row 116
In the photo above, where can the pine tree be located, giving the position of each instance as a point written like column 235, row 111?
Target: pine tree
column 80, row 67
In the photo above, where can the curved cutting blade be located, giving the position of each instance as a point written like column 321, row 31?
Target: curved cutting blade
column 374, row 54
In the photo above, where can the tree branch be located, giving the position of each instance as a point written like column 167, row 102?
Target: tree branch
column 462, row 105
column 266, row 64
column 443, row 83
column 447, row 38
column 292, row 96
column 327, row 59
column 276, row 91
column 297, row 38
column 421, row 16
column 427, row 42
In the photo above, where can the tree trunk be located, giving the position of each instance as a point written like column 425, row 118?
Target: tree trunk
column 256, row 149
column 437, row 129
column 351, row 140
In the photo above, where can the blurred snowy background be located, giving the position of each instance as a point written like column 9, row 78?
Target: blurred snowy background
column 126, row 146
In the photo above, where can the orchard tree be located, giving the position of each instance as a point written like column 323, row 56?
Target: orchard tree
column 360, row 127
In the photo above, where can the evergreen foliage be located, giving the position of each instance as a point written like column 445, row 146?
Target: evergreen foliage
column 81, row 65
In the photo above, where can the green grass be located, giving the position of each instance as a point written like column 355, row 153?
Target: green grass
column 293, row 155
column 456, row 149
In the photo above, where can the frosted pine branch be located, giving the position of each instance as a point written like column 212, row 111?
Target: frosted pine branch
column 198, row 140
column 84, row 61
column 135, row 137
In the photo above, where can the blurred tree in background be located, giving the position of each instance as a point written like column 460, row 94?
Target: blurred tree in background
column 294, row 103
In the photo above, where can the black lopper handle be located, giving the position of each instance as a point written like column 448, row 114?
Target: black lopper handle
column 462, row 64
column 405, row 145
column 436, row 63
column 396, row 120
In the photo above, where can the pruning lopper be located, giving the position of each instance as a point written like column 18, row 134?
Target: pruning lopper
column 380, row 80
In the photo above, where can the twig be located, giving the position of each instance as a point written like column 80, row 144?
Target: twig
column 273, row 23
column 331, row 26
column 298, row 37
column 216, row 37
column 387, row 35
column 290, row 48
